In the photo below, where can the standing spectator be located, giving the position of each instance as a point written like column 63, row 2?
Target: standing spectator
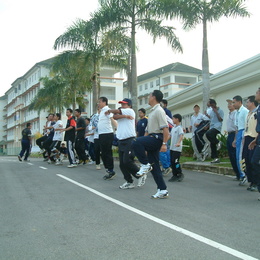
column 196, row 119
column 231, row 129
column 125, row 134
column 147, row 147
column 240, row 122
column 164, row 104
column 216, row 118
column 256, row 144
column 80, row 137
column 90, row 134
column 176, row 149
column 70, row 137
column 249, row 136
column 142, row 122
column 26, row 143
column 106, row 137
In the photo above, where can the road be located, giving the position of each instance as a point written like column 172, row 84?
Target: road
column 55, row 212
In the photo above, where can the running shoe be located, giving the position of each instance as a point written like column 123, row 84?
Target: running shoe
column 173, row 178
column 167, row 171
column 20, row 158
column 242, row 181
column 109, row 175
column 127, row 185
column 145, row 168
column 219, row 145
column 141, row 180
column 98, row 167
column 72, row 165
column 216, row 160
column 160, row 194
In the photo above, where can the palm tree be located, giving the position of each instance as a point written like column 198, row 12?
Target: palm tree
column 97, row 47
column 192, row 13
column 128, row 16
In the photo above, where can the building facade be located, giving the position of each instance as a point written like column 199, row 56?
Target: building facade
column 23, row 91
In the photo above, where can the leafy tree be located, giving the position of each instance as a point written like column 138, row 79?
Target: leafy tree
column 194, row 12
column 98, row 48
column 128, row 16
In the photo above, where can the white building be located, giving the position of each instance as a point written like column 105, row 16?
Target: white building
column 170, row 79
column 25, row 88
column 3, row 125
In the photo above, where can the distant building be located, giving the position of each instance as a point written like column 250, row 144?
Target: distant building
column 3, row 125
column 23, row 90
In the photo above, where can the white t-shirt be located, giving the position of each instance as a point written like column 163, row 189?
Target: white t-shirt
column 126, row 127
column 104, row 122
column 176, row 133
column 58, row 135
column 90, row 131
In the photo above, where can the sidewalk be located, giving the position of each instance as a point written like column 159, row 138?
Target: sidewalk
column 208, row 167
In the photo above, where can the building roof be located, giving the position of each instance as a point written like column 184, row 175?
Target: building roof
column 175, row 67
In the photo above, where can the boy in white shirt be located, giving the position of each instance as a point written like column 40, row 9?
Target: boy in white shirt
column 176, row 149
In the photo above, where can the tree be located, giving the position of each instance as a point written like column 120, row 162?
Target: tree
column 99, row 47
column 128, row 16
column 194, row 12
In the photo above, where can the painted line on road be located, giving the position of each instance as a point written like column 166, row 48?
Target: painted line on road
column 29, row 163
column 183, row 231
column 43, row 168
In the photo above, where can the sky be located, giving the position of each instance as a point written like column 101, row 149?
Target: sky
column 29, row 28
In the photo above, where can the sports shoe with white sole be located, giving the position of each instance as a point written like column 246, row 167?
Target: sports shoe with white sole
column 160, row 194
column 98, row 167
column 127, row 185
column 58, row 162
column 219, row 145
column 145, row 168
column 167, row 171
column 141, row 180
column 72, row 165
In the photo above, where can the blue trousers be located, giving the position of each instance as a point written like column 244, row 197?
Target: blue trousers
column 165, row 159
column 232, row 153
column 239, row 150
column 26, row 147
column 256, row 164
column 152, row 146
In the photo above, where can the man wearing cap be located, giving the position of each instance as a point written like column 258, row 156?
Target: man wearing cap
column 240, row 121
column 125, row 134
column 147, row 147
column 231, row 129
column 106, row 137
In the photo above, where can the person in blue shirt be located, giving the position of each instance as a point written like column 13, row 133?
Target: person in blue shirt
column 164, row 104
column 142, row 123
column 216, row 116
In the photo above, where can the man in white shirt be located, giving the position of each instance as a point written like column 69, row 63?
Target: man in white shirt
column 240, row 122
column 125, row 134
column 106, row 137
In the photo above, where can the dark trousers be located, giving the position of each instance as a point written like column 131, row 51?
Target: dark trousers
column 91, row 151
column 47, row 145
column 152, row 146
column 247, row 155
column 199, row 133
column 106, row 141
column 40, row 141
column 97, row 151
column 256, row 164
column 232, row 153
column 26, row 147
column 80, row 148
column 175, row 163
column 211, row 134
column 126, row 159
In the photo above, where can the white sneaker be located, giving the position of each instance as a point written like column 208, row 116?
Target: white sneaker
column 127, row 185
column 160, row 194
column 58, row 163
column 145, row 168
column 72, row 165
column 49, row 161
column 98, row 167
column 141, row 180
column 91, row 162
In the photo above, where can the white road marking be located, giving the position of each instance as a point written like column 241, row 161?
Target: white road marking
column 183, row 231
column 29, row 163
column 43, row 168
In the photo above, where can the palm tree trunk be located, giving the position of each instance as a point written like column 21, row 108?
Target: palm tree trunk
column 133, row 75
column 205, row 67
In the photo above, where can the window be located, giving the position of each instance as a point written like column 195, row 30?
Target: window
column 146, row 100
column 157, row 82
column 166, row 87
column 140, row 101
column 140, row 87
column 165, row 95
column 146, row 86
column 151, row 84
column 166, row 80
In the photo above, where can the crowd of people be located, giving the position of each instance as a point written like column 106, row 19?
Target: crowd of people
column 156, row 141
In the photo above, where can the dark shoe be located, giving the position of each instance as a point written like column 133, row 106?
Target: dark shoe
column 216, row 160
column 20, row 158
column 173, row 178
column 180, row 177
column 109, row 176
column 253, row 188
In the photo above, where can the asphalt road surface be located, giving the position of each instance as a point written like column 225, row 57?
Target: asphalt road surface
column 55, row 212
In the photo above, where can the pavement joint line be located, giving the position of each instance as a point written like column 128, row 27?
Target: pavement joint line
column 183, row 231
column 43, row 168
